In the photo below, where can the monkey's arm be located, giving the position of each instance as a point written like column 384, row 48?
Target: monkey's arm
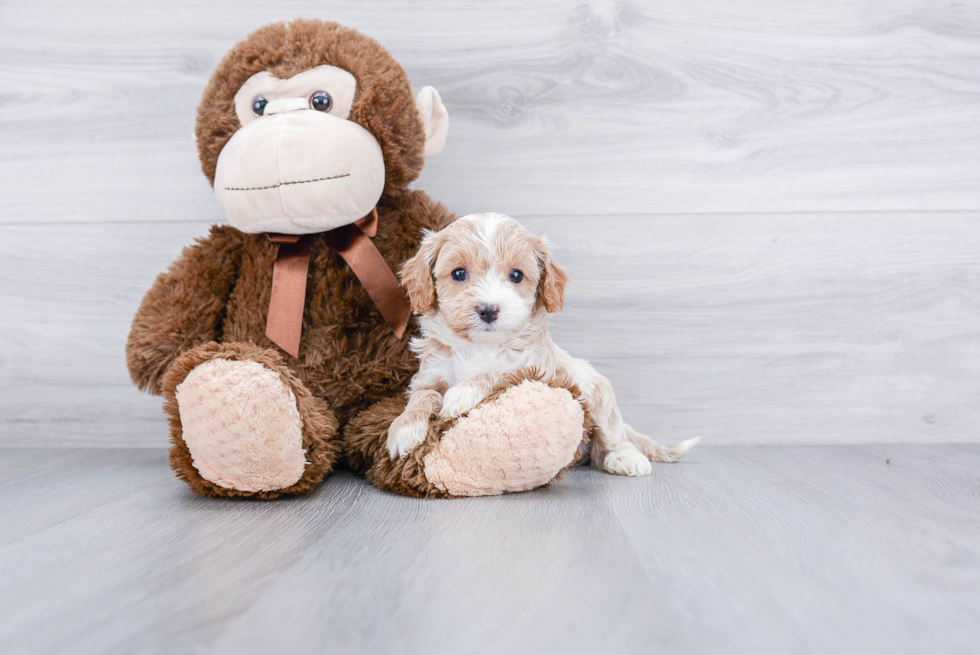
column 184, row 308
column 436, row 216
column 408, row 213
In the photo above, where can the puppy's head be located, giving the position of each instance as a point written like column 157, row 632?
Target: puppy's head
column 485, row 275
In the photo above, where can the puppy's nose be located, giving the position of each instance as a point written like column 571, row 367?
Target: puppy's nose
column 488, row 313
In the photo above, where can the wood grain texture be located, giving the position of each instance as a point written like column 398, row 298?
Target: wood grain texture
column 734, row 550
column 832, row 328
column 557, row 107
column 711, row 172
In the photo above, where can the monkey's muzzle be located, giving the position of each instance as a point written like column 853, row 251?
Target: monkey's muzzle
column 298, row 172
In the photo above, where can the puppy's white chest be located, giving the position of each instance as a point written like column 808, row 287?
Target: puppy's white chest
column 470, row 362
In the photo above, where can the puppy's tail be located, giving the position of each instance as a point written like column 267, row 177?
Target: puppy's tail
column 657, row 453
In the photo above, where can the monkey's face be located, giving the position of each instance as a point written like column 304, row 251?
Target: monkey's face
column 298, row 165
column 305, row 125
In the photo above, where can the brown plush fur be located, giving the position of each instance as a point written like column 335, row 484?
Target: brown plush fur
column 321, row 439
column 365, row 438
column 364, row 445
column 218, row 291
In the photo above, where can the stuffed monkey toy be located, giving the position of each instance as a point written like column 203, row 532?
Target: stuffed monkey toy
column 279, row 341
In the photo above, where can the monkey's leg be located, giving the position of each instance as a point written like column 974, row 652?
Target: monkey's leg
column 520, row 437
column 242, row 424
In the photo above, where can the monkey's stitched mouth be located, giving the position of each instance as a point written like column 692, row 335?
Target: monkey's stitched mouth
column 276, row 186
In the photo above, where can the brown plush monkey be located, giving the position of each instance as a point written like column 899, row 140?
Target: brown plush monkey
column 268, row 336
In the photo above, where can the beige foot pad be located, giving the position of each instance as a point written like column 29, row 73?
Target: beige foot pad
column 241, row 425
column 520, row 441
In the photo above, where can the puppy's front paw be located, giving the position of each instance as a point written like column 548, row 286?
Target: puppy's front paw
column 404, row 435
column 627, row 462
column 461, row 399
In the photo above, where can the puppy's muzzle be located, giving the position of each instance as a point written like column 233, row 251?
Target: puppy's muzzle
column 488, row 313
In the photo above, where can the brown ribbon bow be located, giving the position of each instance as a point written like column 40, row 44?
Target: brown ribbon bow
column 352, row 242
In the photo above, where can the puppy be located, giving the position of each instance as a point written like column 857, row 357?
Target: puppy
column 484, row 286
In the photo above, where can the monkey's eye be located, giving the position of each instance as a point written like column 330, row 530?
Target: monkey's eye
column 459, row 275
column 516, row 276
column 321, row 101
column 258, row 105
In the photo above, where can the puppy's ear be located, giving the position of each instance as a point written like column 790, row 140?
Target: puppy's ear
column 551, row 286
column 416, row 274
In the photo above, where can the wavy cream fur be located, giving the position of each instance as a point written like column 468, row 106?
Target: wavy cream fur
column 462, row 358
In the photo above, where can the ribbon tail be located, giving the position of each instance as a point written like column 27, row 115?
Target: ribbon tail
column 284, row 325
column 378, row 280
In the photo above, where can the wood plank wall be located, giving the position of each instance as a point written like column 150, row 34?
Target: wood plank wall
column 770, row 211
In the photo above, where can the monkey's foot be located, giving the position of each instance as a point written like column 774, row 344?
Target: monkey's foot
column 244, row 425
column 520, row 440
column 521, row 437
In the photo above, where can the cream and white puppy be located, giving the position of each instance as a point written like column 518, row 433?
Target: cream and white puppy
column 483, row 287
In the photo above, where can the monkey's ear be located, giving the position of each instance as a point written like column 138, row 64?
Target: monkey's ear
column 416, row 275
column 551, row 286
column 435, row 119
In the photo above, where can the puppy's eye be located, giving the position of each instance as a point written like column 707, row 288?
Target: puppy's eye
column 459, row 275
column 258, row 105
column 321, row 101
column 516, row 276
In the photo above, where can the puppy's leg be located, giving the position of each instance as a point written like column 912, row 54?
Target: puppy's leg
column 620, row 447
column 466, row 395
column 409, row 429
column 612, row 450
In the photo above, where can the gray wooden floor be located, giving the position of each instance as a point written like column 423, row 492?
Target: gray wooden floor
column 740, row 549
